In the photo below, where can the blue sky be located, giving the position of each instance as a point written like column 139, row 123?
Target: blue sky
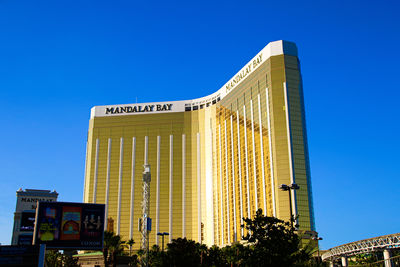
column 60, row 58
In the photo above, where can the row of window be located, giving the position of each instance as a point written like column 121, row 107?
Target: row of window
column 190, row 108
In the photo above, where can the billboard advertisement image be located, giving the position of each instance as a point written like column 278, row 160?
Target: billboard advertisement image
column 65, row 225
column 71, row 223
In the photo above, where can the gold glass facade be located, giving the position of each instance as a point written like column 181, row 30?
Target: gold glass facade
column 214, row 160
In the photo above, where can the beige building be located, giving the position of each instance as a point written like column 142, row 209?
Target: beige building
column 214, row 160
column 25, row 211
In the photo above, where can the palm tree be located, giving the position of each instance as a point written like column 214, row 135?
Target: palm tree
column 130, row 244
column 113, row 246
column 216, row 256
column 116, row 249
column 202, row 250
column 108, row 235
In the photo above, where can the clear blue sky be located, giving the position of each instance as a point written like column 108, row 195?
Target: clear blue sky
column 60, row 58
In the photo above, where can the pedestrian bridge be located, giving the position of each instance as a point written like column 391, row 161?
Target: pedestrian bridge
column 383, row 243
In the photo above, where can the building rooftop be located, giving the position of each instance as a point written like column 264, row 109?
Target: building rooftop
column 36, row 192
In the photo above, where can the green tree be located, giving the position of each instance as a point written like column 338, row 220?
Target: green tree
column 236, row 255
column 140, row 254
column 106, row 246
column 364, row 258
column 203, row 251
column 68, row 260
column 53, row 258
column 130, row 243
column 183, row 252
column 215, row 257
column 274, row 242
column 157, row 258
column 113, row 246
column 134, row 260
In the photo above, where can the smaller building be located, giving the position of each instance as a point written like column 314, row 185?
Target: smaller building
column 25, row 211
column 92, row 259
column 96, row 259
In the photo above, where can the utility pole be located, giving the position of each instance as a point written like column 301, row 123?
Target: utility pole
column 145, row 221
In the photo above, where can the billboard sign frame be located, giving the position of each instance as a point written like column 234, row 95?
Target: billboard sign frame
column 69, row 225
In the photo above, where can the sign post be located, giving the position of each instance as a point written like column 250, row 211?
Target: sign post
column 42, row 254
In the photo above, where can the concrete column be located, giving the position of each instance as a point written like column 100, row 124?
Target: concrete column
column 228, row 215
column 239, row 148
column 387, row 254
column 121, row 159
column 344, row 261
column 158, row 189
column 96, row 167
column 183, row 185
column 171, row 184
column 199, row 217
column 271, row 165
column 107, row 183
column 132, row 204
column 221, row 220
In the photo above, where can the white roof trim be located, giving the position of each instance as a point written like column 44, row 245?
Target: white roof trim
column 272, row 49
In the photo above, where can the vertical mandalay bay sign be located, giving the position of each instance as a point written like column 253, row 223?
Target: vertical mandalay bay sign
column 64, row 225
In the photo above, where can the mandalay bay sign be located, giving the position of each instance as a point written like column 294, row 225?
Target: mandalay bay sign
column 138, row 109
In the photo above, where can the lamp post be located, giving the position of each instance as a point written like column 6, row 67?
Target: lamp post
column 162, row 235
column 285, row 187
column 317, row 238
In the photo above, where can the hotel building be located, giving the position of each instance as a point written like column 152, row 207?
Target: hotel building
column 25, row 212
column 214, row 160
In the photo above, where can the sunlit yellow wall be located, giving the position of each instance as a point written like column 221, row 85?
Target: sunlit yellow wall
column 251, row 95
column 163, row 125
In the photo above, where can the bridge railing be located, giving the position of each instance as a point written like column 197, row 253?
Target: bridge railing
column 363, row 246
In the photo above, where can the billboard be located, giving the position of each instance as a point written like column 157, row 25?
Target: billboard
column 64, row 225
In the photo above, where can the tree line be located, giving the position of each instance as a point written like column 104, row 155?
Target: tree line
column 268, row 242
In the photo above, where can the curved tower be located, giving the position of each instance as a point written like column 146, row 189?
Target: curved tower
column 214, row 159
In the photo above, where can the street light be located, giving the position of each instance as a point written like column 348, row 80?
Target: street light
column 317, row 238
column 162, row 235
column 285, row 187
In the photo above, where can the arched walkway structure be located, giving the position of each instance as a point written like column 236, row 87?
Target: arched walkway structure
column 383, row 243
